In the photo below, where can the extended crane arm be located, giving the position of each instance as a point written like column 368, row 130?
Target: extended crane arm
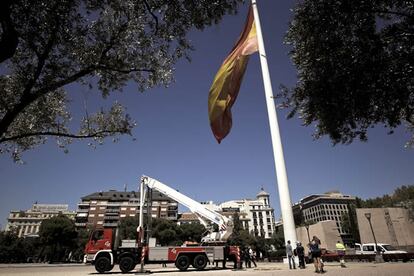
column 225, row 225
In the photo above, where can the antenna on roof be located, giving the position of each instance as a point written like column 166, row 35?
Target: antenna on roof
column 125, row 187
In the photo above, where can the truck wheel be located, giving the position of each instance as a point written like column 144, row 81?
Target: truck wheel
column 200, row 262
column 103, row 264
column 182, row 262
column 126, row 264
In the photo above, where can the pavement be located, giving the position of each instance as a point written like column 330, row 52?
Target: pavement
column 264, row 268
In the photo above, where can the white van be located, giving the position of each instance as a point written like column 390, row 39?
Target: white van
column 369, row 248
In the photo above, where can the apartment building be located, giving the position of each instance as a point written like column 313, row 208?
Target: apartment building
column 107, row 208
column 257, row 214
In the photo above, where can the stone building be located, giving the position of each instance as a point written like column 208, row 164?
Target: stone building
column 27, row 223
column 326, row 231
column 390, row 225
column 107, row 208
column 323, row 207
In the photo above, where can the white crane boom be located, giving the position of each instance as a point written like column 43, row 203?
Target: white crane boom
column 203, row 213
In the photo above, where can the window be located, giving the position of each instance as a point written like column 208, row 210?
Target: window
column 368, row 248
column 98, row 235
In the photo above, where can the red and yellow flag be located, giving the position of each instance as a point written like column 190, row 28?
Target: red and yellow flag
column 226, row 84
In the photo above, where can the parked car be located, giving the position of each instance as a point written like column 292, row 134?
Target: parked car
column 369, row 248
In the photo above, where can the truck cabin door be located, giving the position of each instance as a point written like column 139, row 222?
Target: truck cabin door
column 99, row 240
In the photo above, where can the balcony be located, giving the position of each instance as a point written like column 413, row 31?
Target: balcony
column 80, row 224
column 110, row 224
column 82, row 215
column 113, row 204
column 111, row 217
column 114, row 211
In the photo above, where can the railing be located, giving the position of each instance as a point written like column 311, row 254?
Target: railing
column 111, row 217
column 116, row 211
column 110, row 224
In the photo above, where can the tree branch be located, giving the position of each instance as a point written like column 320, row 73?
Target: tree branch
column 8, row 118
column 153, row 16
column 62, row 134
column 9, row 37
column 394, row 13
column 126, row 71
column 57, row 84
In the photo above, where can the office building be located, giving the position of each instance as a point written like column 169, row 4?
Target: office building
column 322, row 207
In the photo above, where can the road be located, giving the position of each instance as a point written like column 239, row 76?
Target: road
column 266, row 269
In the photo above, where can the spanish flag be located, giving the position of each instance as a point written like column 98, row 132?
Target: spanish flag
column 226, row 84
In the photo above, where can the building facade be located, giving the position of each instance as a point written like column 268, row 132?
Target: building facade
column 105, row 209
column 323, row 207
column 390, row 225
column 27, row 223
column 256, row 215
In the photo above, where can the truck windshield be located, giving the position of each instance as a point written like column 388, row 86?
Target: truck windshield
column 388, row 247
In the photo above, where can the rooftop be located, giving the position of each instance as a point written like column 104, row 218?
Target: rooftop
column 113, row 195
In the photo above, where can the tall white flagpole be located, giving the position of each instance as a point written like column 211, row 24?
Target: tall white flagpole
column 282, row 181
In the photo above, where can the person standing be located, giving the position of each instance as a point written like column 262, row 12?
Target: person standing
column 316, row 254
column 340, row 249
column 247, row 260
column 252, row 256
column 300, row 251
column 289, row 253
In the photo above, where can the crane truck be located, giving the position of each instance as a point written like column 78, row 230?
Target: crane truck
column 104, row 250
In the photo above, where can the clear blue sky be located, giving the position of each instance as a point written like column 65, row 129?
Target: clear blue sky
column 175, row 145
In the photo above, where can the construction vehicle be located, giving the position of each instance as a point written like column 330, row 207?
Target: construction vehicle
column 104, row 251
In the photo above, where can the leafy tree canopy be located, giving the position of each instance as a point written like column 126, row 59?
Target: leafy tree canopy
column 46, row 45
column 402, row 197
column 355, row 61
column 128, row 228
column 58, row 230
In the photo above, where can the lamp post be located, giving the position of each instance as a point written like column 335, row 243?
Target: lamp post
column 378, row 256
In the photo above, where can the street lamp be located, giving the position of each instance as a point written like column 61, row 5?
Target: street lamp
column 378, row 256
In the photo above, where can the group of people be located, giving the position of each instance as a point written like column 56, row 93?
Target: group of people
column 315, row 254
column 249, row 257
